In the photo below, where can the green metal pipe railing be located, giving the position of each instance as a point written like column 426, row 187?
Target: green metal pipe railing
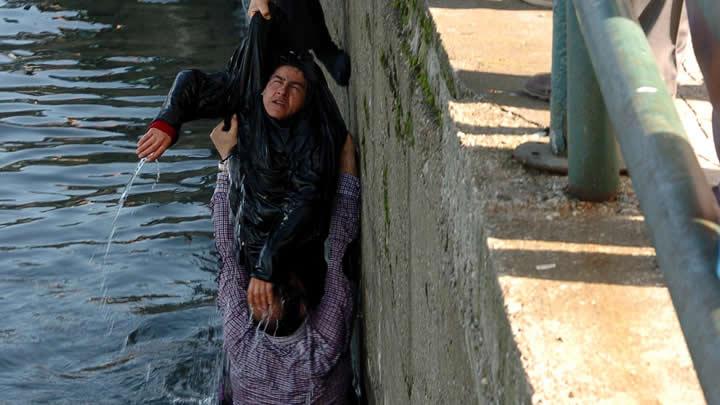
column 558, row 94
column 592, row 154
column 666, row 176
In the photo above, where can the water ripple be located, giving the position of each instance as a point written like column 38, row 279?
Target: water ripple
column 79, row 81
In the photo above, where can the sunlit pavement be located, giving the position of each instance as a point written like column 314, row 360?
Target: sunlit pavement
column 587, row 306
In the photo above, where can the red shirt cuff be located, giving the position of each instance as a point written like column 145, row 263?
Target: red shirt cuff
column 165, row 127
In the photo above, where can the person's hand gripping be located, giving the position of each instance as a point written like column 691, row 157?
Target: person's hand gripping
column 259, row 6
column 261, row 298
column 225, row 141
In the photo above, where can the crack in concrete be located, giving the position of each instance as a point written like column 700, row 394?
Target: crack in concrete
column 695, row 114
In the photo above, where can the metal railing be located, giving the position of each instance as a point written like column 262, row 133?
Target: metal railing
column 630, row 105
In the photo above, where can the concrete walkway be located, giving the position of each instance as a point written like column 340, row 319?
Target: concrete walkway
column 587, row 306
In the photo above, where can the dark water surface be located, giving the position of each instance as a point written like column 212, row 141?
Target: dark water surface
column 79, row 81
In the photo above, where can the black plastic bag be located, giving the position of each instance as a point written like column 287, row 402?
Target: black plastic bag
column 283, row 174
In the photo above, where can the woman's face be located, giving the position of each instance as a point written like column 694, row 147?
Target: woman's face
column 284, row 94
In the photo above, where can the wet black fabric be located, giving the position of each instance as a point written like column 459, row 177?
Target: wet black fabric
column 283, row 183
column 307, row 30
column 283, row 174
column 297, row 25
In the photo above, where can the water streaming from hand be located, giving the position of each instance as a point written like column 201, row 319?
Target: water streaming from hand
column 106, row 314
column 113, row 228
column 121, row 203
column 157, row 176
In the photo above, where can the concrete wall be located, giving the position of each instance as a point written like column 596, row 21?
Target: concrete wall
column 435, row 327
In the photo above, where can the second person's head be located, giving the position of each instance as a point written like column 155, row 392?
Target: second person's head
column 284, row 94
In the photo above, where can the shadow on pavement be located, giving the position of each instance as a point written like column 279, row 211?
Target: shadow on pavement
column 489, row 4
column 504, row 89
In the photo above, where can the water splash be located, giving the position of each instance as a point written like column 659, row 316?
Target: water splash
column 110, row 329
column 157, row 177
column 147, row 373
column 121, row 203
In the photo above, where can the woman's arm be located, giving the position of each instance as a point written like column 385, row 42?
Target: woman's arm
column 344, row 224
column 332, row 320
column 232, row 279
column 196, row 94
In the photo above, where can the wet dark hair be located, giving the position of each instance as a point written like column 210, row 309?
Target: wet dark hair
column 304, row 62
column 299, row 280
column 302, row 266
column 319, row 109
column 292, row 296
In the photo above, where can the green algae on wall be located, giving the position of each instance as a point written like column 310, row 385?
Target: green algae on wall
column 386, row 196
column 386, row 208
column 402, row 116
column 415, row 213
column 413, row 17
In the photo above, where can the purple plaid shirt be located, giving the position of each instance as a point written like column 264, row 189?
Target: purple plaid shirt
column 312, row 365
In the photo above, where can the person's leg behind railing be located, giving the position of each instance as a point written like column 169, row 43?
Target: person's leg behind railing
column 666, row 27
column 707, row 52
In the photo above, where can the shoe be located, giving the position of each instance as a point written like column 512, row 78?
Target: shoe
column 539, row 86
column 540, row 3
column 338, row 65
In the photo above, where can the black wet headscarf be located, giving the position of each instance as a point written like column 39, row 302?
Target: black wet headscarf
column 283, row 173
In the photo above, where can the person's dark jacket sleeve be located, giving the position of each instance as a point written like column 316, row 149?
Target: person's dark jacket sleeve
column 194, row 95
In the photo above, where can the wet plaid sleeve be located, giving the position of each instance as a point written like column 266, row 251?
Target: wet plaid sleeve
column 332, row 320
column 344, row 221
column 232, row 297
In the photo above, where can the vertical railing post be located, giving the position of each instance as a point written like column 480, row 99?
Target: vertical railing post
column 593, row 169
column 558, row 95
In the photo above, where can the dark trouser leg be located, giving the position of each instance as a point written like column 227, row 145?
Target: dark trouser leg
column 707, row 52
column 322, row 43
column 716, row 129
column 336, row 61
column 664, row 24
